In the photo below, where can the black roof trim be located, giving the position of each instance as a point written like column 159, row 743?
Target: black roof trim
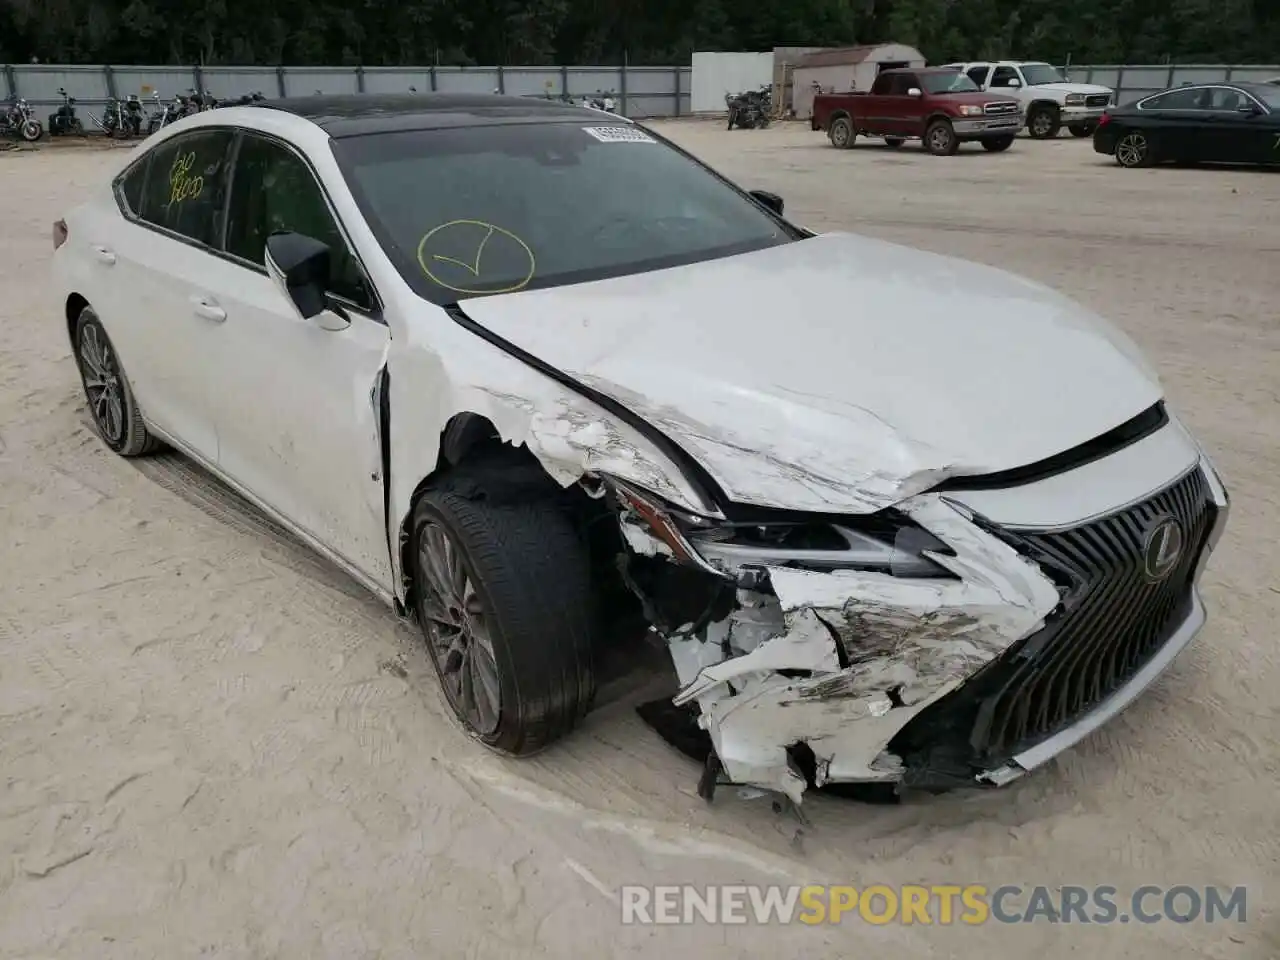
column 352, row 115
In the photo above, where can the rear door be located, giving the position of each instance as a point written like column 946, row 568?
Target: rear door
column 298, row 422
column 163, row 315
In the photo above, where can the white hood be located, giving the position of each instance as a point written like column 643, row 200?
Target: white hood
column 1069, row 87
column 838, row 373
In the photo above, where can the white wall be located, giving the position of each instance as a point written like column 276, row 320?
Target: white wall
column 715, row 74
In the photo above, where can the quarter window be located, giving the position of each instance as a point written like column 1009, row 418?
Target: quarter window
column 186, row 183
column 129, row 187
column 274, row 191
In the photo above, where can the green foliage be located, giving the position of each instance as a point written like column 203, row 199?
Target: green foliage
column 377, row 33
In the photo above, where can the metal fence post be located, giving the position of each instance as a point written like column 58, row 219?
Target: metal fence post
column 676, row 73
column 564, row 80
column 432, row 71
column 360, row 79
column 502, row 80
column 11, row 78
column 622, row 99
column 110, row 76
column 1168, row 81
column 280, row 81
column 198, row 75
column 1227, row 78
column 1119, row 84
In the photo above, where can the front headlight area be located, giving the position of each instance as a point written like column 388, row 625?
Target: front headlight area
column 708, row 579
column 740, row 549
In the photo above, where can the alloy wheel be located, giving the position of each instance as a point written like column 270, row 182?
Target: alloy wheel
column 1041, row 124
column 1132, row 150
column 457, row 631
column 101, row 374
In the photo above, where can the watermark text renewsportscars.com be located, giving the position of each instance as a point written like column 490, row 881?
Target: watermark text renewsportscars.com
column 935, row 904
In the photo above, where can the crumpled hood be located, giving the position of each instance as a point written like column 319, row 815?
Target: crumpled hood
column 839, row 373
column 1069, row 87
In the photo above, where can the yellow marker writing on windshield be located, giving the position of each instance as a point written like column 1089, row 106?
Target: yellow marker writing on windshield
column 475, row 265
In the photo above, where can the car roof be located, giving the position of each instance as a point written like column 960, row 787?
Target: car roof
column 918, row 70
column 358, row 114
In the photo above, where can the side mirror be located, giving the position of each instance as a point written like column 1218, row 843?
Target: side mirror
column 1249, row 109
column 770, row 200
column 915, row 92
column 299, row 266
column 1015, row 82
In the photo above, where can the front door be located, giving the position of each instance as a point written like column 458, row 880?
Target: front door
column 298, row 424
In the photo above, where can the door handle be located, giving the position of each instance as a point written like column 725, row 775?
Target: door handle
column 208, row 309
column 105, row 255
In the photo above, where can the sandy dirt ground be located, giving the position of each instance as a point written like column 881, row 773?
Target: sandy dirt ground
column 211, row 744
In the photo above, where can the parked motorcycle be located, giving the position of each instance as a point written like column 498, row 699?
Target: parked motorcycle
column 751, row 109
column 63, row 122
column 131, row 116
column 18, row 119
column 163, row 115
column 601, row 101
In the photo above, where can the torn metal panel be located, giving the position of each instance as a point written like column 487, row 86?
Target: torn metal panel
column 904, row 643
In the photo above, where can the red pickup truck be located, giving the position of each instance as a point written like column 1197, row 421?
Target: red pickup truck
column 940, row 106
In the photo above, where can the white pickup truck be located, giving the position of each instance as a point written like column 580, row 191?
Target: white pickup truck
column 1049, row 100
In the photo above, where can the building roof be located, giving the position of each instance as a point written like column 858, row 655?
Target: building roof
column 841, row 56
column 356, row 114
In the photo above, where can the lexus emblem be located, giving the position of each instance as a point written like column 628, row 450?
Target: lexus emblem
column 1162, row 548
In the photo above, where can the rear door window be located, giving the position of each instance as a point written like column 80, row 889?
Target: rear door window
column 1002, row 76
column 186, row 183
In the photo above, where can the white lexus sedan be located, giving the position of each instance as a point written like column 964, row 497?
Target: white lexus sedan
column 534, row 374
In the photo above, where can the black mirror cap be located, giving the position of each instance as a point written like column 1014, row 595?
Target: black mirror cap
column 301, row 265
column 1249, row 109
column 767, row 199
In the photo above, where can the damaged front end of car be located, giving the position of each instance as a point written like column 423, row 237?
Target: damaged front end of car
column 803, row 644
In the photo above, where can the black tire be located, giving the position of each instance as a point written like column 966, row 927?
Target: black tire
column 997, row 144
column 106, row 388
column 1044, row 120
column 1134, row 149
column 1082, row 129
column 940, row 139
column 893, row 143
column 531, row 589
column 841, row 133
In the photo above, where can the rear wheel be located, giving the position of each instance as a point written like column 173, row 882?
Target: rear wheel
column 940, row 139
column 1044, row 121
column 503, row 596
column 115, row 412
column 997, row 144
column 1082, row 129
column 1133, row 149
column 894, row 143
column 841, row 134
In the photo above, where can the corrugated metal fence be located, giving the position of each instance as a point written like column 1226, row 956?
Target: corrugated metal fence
column 1135, row 82
column 640, row 91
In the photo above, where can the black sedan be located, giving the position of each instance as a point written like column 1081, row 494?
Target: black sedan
column 1210, row 122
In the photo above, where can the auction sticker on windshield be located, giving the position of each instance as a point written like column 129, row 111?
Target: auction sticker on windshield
column 619, row 135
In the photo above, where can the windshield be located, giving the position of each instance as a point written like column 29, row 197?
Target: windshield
column 947, row 83
column 1038, row 73
column 494, row 209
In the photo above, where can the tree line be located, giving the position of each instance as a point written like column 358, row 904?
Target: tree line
column 469, row 32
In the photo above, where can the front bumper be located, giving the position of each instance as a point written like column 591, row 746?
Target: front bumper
column 882, row 678
column 987, row 126
column 1075, row 116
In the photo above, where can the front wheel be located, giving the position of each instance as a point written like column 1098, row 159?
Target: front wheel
column 1044, row 122
column 1133, row 149
column 30, row 131
column 841, row 134
column 503, row 597
column 940, row 139
column 115, row 411
column 997, row 144
column 1081, row 129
